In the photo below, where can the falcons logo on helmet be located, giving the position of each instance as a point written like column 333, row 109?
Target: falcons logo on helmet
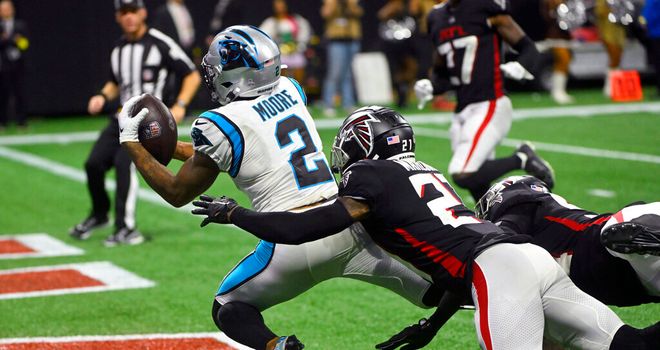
column 360, row 130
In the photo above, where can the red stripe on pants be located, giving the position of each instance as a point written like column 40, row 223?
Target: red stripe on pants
column 479, row 283
column 489, row 115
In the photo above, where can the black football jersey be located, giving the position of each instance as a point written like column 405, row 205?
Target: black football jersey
column 462, row 34
column 570, row 232
column 416, row 215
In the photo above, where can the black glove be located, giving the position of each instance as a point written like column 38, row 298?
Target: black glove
column 415, row 336
column 217, row 210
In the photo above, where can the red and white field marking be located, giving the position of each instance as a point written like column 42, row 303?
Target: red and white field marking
column 67, row 279
column 34, row 245
column 206, row 341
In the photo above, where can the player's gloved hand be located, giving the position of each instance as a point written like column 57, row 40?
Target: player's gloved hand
column 423, row 92
column 514, row 70
column 415, row 336
column 128, row 124
column 216, row 210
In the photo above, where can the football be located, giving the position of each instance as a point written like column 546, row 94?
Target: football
column 157, row 132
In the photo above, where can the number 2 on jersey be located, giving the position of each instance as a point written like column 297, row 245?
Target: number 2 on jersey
column 440, row 198
column 305, row 177
column 448, row 49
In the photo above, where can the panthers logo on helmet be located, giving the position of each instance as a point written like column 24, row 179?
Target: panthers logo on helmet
column 234, row 54
column 360, row 129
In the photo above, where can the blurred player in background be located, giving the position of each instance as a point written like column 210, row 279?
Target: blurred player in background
column 408, row 208
column 613, row 36
column 612, row 257
column 467, row 35
column 140, row 63
column 265, row 139
column 561, row 54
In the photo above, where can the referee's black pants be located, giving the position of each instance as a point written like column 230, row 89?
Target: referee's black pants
column 106, row 153
column 11, row 84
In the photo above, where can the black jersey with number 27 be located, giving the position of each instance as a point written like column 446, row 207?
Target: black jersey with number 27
column 416, row 215
column 463, row 36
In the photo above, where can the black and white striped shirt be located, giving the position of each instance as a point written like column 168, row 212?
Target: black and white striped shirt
column 144, row 66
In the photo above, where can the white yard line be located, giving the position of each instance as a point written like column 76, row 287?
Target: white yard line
column 78, row 175
column 112, row 276
column 559, row 148
column 602, row 193
column 90, row 338
column 43, row 245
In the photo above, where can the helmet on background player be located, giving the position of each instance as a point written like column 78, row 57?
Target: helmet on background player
column 372, row 132
column 494, row 194
column 242, row 61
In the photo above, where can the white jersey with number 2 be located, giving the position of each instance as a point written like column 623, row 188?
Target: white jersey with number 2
column 270, row 147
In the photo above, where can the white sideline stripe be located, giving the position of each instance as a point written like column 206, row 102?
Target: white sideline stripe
column 89, row 338
column 78, row 175
column 414, row 118
column 61, row 138
column 113, row 277
column 558, row 148
column 599, row 192
column 44, row 245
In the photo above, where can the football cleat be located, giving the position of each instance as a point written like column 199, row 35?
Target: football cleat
column 535, row 165
column 289, row 343
column 124, row 236
column 84, row 229
column 632, row 238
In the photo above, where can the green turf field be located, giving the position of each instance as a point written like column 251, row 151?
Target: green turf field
column 188, row 262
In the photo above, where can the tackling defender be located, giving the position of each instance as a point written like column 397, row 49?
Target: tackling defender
column 410, row 210
column 596, row 251
column 467, row 35
column 265, row 139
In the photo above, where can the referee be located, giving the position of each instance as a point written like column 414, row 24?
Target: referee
column 141, row 62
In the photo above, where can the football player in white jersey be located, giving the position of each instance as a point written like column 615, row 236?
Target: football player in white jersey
column 265, row 139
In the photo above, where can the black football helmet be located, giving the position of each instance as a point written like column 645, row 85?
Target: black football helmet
column 494, row 194
column 372, row 132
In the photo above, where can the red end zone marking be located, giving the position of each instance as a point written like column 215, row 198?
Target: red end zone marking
column 135, row 344
column 44, row 280
column 12, row 246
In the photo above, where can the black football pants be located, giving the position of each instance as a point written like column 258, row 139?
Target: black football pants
column 106, row 153
column 11, row 84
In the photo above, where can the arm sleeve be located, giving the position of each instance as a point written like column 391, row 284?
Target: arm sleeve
column 518, row 219
column 294, row 228
column 361, row 183
column 440, row 80
column 528, row 54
